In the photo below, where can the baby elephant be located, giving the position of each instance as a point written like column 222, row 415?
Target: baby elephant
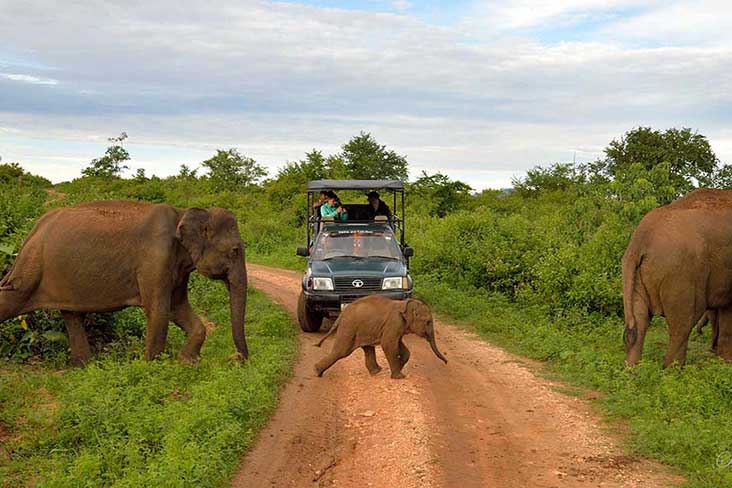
column 376, row 320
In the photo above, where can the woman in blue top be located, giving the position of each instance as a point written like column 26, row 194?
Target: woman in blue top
column 332, row 207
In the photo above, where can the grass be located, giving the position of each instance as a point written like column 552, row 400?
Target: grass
column 681, row 416
column 125, row 422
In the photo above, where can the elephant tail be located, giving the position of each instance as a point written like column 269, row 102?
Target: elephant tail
column 331, row 331
column 631, row 262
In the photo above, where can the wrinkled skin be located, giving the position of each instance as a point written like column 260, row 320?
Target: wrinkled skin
column 375, row 320
column 678, row 265
column 109, row 255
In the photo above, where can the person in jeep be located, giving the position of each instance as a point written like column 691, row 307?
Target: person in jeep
column 377, row 206
column 332, row 207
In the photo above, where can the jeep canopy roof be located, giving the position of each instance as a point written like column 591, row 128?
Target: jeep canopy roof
column 317, row 185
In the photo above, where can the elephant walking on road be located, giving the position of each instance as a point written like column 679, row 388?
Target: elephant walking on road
column 108, row 255
column 375, row 320
column 679, row 265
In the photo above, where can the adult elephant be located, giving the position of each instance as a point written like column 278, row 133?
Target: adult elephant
column 678, row 265
column 108, row 255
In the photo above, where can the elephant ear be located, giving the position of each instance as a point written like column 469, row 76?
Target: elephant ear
column 192, row 230
column 408, row 311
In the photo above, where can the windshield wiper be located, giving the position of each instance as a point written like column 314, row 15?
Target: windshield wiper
column 343, row 256
column 385, row 257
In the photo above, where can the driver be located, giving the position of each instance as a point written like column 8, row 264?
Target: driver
column 377, row 206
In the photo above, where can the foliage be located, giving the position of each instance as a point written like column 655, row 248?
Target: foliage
column 557, row 177
column 364, row 158
column 681, row 416
column 14, row 174
column 125, row 422
column 536, row 270
column 111, row 164
column 186, row 172
column 438, row 195
column 689, row 154
column 230, row 170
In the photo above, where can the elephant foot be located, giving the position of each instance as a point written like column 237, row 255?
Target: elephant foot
column 398, row 376
column 238, row 357
column 80, row 360
column 188, row 359
column 375, row 371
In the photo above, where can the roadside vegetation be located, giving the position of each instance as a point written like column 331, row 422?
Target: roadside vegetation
column 535, row 269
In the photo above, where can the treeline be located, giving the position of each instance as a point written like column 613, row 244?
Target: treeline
column 556, row 238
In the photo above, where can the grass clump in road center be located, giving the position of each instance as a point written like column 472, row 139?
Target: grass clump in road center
column 132, row 423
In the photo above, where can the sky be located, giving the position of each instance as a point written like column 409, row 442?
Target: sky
column 478, row 90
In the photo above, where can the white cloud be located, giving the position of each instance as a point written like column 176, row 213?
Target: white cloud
column 278, row 79
column 401, row 4
column 28, row 79
column 678, row 23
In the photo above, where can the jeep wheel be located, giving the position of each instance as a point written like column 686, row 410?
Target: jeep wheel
column 309, row 320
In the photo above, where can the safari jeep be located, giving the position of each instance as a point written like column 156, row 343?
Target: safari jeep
column 356, row 257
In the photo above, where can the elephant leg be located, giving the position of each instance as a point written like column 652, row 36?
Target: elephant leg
column 403, row 354
column 681, row 320
column 724, row 333
column 78, row 343
column 338, row 352
column 714, row 319
column 11, row 304
column 158, row 317
column 185, row 318
column 391, row 351
column 369, row 354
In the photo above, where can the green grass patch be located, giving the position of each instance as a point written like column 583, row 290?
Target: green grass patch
column 283, row 257
column 125, row 422
column 681, row 416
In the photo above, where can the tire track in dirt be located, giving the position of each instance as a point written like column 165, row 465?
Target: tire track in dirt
column 483, row 420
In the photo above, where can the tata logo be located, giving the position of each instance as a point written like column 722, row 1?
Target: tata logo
column 357, row 283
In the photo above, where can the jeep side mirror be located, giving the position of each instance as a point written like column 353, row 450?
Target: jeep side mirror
column 302, row 251
column 408, row 252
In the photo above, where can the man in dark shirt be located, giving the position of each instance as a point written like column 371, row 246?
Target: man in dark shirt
column 377, row 206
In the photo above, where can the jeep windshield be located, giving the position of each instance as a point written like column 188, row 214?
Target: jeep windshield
column 356, row 244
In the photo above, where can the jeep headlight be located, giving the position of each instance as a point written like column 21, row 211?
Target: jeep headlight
column 394, row 283
column 322, row 284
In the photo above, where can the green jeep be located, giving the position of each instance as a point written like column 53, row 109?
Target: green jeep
column 349, row 259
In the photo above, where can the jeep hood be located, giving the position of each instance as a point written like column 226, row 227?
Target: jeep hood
column 376, row 267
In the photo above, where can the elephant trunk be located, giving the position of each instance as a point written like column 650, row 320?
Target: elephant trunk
column 433, row 345
column 236, row 281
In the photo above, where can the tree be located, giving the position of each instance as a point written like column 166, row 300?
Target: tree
column 14, row 173
column 230, row 170
column 557, row 177
column 364, row 158
column 140, row 175
column 187, row 173
column 690, row 157
column 441, row 194
column 313, row 167
column 111, row 164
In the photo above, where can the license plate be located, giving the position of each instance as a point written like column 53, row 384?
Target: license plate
column 343, row 306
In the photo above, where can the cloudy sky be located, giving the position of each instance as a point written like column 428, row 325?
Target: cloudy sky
column 480, row 90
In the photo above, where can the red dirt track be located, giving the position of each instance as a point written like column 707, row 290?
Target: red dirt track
column 483, row 420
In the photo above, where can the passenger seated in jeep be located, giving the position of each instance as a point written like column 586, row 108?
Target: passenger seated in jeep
column 321, row 200
column 377, row 206
column 332, row 207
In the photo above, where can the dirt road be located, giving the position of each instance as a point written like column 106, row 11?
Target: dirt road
column 483, row 420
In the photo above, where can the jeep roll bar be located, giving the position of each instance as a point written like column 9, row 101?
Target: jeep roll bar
column 396, row 188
